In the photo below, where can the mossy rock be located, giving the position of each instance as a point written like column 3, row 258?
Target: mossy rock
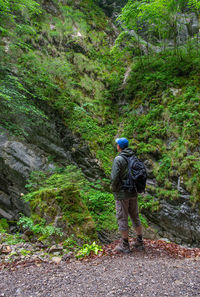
column 63, row 208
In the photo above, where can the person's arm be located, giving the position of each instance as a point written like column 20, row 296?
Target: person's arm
column 115, row 174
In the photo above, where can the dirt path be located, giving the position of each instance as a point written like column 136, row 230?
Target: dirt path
column 138, row 274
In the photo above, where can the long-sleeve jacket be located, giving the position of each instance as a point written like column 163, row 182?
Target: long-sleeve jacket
column 119, row 173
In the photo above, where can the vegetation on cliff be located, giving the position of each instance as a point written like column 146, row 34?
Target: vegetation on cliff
column 162, row 92
column 64, row 55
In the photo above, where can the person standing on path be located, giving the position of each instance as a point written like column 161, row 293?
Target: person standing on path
column 126, row 202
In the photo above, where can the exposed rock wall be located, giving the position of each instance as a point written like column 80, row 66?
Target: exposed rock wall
column 176, row 219
column 112, row 7
column 49, row 146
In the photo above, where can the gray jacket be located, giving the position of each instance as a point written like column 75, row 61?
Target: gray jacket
column 119, row 173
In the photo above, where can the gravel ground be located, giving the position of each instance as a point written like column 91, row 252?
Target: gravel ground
column 135, row 275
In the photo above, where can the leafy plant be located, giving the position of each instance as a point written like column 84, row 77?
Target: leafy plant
column 24, row 252
column 100, row 204
column 87, row 249
column 70, row 243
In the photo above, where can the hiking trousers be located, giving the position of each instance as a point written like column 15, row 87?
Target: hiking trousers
column 125, row 208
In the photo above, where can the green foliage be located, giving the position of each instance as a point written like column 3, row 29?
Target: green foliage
column 7, row 7
column 194, row 3
column 96, row 131
column 59, row 177
column 100, row 204
column 66, row 62
column 11, row 238
column 54, row 74
column 55, row 196
column 18, row 111
column 4, row 227
column 10, row 12
column 87, row 249
column 159, row 16
column 7, row 238
column 163, row 119
column 163, row 170
column 41, row 228
column 70, row 243
column 148, row 201
column 24, row 252
column 63, row 62
column 143, row 221
column 167, row 194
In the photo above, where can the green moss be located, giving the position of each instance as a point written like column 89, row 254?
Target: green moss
column 4, row 227
column 58, row 201
column 11, row 238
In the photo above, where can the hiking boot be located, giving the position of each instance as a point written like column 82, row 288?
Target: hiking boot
column 139, row 244
column 123, row 247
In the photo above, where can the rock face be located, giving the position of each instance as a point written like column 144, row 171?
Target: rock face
column 177, row 221
column 17, row 161
column 188, row 25
column 51, row 144
column 112, row 7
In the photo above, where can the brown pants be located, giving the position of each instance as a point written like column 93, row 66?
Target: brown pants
column 123, row 209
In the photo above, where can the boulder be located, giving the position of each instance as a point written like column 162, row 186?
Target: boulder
column 177, row 220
